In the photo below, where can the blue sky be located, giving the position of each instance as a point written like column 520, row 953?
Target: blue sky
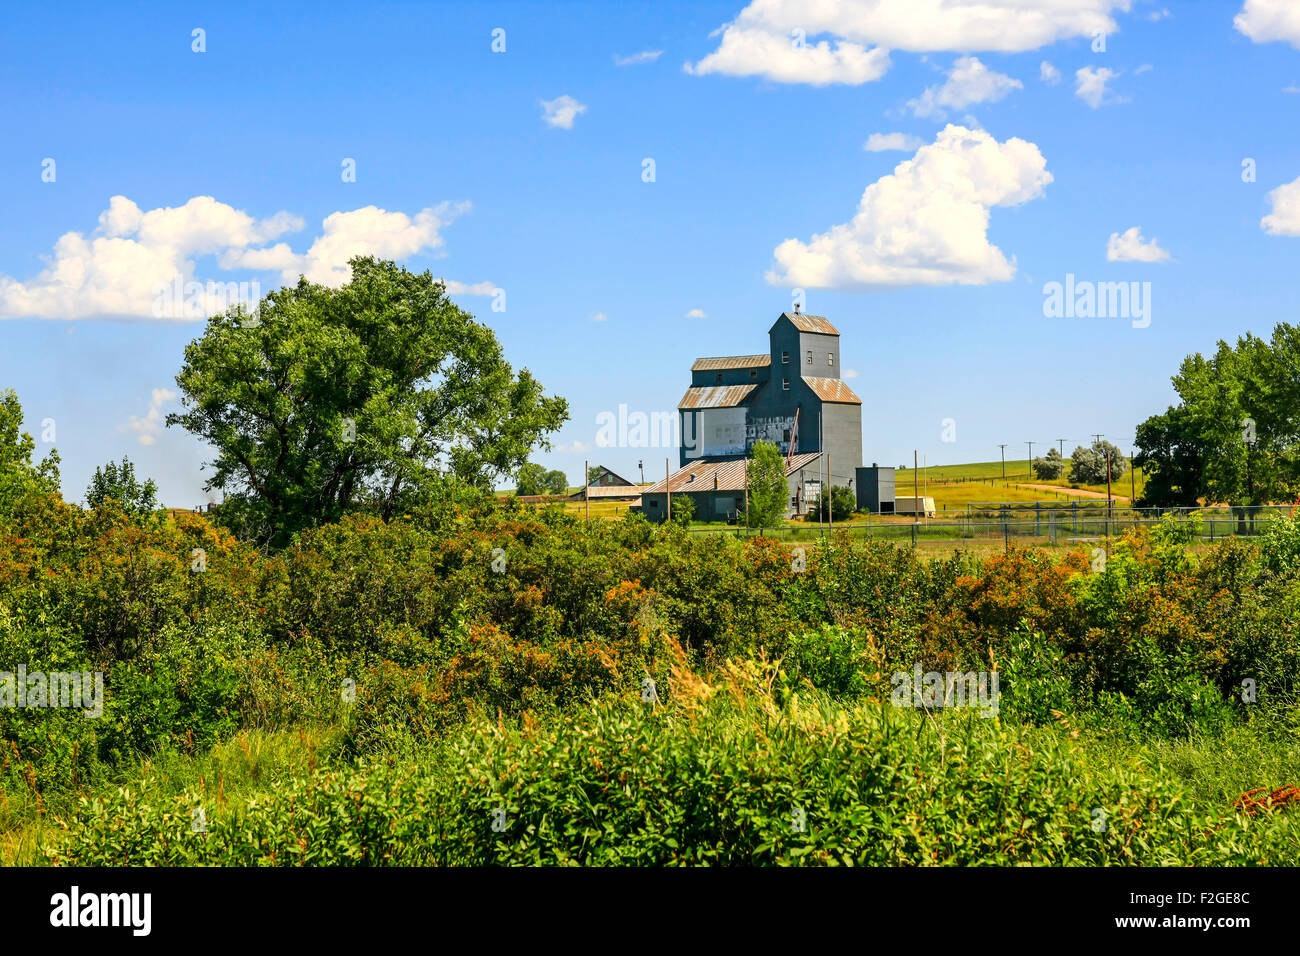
column 935, row 279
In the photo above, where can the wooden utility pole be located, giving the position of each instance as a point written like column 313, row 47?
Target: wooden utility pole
column 668, row 490
column 830, row 500
column 915, row 521
column 1031, row 456
column 1062, row 443
column 1004, row 462
column 821, row 490
column 586, row 486
column 747, row 490
column 915, row 500
column 1107, row 492
column 1132, row 482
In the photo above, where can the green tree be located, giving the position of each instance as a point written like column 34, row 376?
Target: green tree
column 683, row 509
column 1172, row 461
column 1233, row 437
column 367, row 396
column 118, row 481
column 531, row 480
column 1049, row 467
column 1088, row 465
column 593, row 473
column 19, row 477
column 841, row 506
column 536, row 480
column 556, row 482
column 768, row 489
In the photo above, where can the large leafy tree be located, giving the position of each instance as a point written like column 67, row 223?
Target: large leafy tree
column 1172, row 460
column 536, row 480
column 768, row 488
column 555, row 482
column 1088, row 465
column 366, row 396
column 1235, row 434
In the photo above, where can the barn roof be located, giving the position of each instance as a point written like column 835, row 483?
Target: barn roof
column 730, row 475
column 719, row 362
column 832, row 390
column 715, row 396
column 810, row 323
column 607, row 471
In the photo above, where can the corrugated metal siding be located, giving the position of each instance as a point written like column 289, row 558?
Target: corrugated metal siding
column 730, row 361
column 832, row 390
column 730, row 475
column 715, row 396
column 811, row 323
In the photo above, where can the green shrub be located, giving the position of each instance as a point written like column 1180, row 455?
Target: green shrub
column 720, row 776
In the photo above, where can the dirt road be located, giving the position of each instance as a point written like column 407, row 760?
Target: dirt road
column 1078, row 492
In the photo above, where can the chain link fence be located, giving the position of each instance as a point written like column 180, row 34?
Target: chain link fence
column 1041, row 522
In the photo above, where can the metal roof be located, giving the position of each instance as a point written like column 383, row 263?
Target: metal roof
column 730, row 475
column 715, row 396
column 832, row 390
column 720, row 362
column 810, row 323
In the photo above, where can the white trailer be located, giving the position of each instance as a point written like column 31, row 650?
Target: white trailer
column 912, row 505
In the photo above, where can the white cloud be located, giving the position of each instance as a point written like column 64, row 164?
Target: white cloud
column 1155, row 16
column 120, row 267
column 599, row 317
column 368, row 231
column 1284, row 220
column 1144, row 68
column 573, row 446
column 1267, row 20
column 477, row 288
column 645, row 56
column 857, row 35
column 775, row 56
column 1131, row 247
column 696, row 314
column 1291, row 89
column 561, row 111
column 1048, row 73
column 969, row 82
column 148, row 428
column 885, row 142
column 142, row 264
column 850, row 373
column 926, row 223
column 1090, row 84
